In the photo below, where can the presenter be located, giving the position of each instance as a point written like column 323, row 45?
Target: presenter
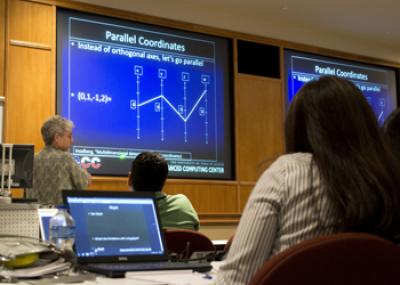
column 148, row 174
column 54, row 168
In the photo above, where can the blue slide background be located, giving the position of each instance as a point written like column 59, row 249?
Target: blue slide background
column 99, row 90
column 301, row 67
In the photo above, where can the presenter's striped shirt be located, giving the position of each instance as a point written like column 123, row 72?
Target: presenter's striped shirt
column 288, row 205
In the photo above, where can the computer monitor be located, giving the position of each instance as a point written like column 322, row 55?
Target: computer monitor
column 377, row 83
column 21, row 166
column 161, row 89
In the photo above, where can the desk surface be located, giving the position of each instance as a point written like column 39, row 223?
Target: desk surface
column 170, row 277
column 179, row 277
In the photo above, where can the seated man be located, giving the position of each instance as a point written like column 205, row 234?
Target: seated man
column 148, row 174
column 54, row 168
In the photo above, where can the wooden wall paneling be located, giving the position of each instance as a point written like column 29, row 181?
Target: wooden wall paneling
column 29, row 95
column 31, row 22
column 245, row 190
column 17, row 192
column 223, row 218
column 109, row 183
column 30, row 71
column 207, row 197
column 2, row 43
column 260, row 124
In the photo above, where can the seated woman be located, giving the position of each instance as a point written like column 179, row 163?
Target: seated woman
column 148, row 173
column 337, row 175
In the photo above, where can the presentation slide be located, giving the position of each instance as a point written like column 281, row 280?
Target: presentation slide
column 130, row 87
column 378, row 84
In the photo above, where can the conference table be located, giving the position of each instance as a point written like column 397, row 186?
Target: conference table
column 166, row 277
column 170, row 277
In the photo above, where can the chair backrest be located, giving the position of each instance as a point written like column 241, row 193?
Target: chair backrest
column 344, row 258
column 185, row 242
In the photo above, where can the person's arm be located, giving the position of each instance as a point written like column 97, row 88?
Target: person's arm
column 193, row 214
column 80, row 178
column 188, row 214
column 256, row 233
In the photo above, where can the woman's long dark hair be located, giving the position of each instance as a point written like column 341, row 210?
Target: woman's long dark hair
column 391, row 130
column 331, row 119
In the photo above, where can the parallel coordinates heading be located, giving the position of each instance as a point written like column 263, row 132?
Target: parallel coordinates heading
column 142, row 41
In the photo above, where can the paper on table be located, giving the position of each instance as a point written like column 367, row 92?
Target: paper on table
column 176, row 277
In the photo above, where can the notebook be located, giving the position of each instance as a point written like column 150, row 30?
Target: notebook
column 117, row 232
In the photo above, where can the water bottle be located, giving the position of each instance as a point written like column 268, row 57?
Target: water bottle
column 62, row 230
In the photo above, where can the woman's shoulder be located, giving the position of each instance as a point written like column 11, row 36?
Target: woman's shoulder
column 297, row 158
column 289, row 163
column 278, row 179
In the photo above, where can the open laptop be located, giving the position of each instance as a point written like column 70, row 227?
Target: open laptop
column 118, row 232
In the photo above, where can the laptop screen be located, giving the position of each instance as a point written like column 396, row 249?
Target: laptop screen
column 120, row 225
column 45, row 215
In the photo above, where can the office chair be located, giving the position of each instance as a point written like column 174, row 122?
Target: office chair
column 184, row 242
column 343, row 258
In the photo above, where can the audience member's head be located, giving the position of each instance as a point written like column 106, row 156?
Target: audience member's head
column 391, row 129
column 148, row 172
column 331, row 119
column 57, row 132
column 330, row 116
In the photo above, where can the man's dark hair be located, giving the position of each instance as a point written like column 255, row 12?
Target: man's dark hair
column 149, row 171
column 331, row 119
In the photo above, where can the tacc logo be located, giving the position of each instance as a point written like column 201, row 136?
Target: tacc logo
column 91, row 162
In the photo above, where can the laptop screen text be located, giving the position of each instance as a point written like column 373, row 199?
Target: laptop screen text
column 114, row 226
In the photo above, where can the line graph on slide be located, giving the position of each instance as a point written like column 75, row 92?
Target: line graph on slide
column 199, row 106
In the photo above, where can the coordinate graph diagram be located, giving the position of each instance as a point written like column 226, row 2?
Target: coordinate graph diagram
column 130, row 87
column 183, row 111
